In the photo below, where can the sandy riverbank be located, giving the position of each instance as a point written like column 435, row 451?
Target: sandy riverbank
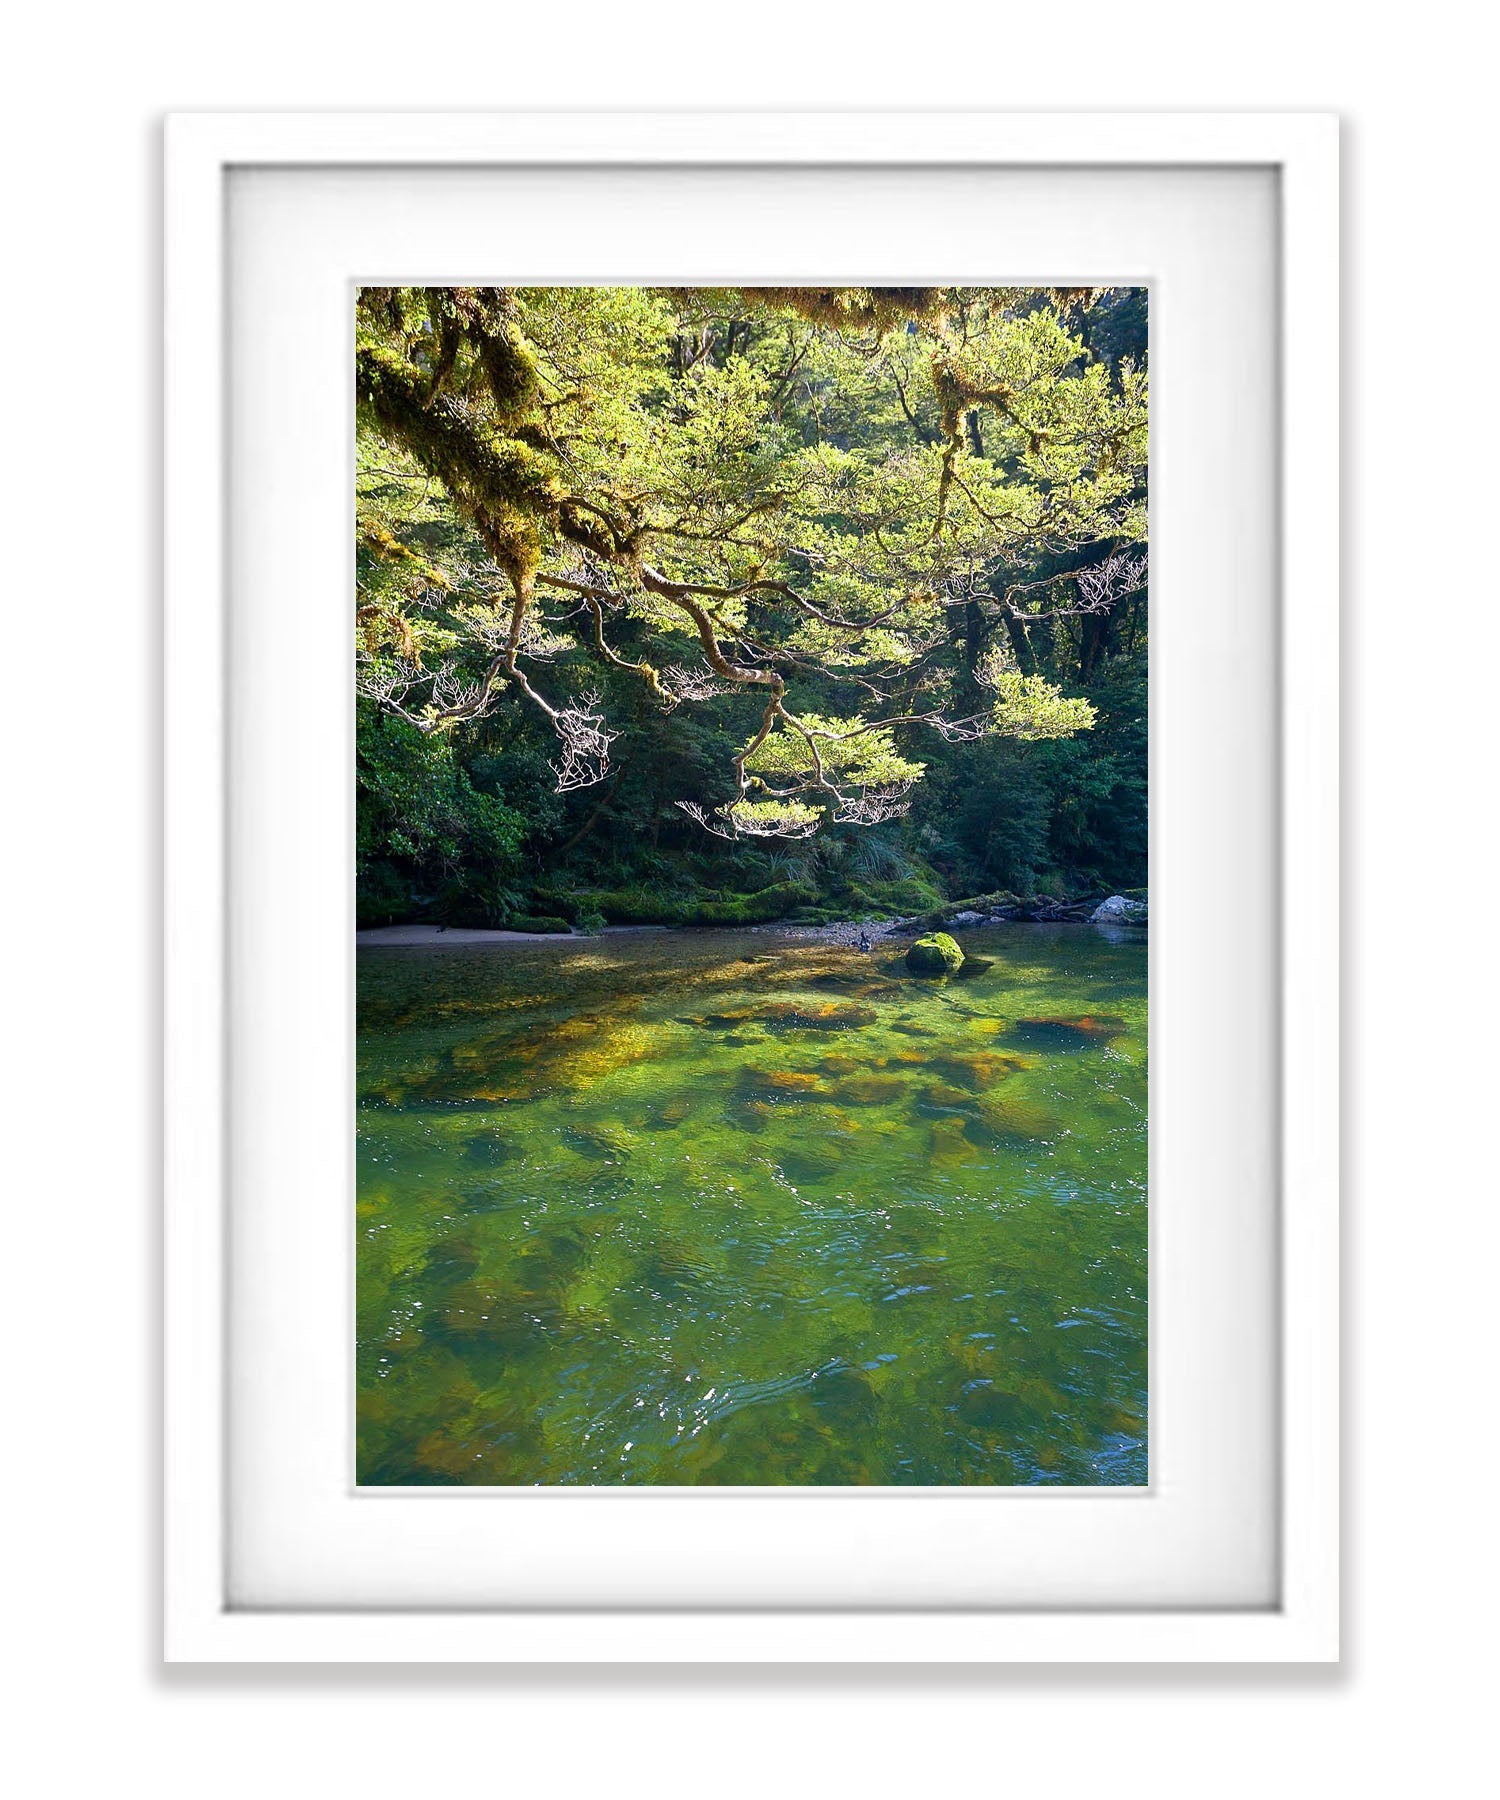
column 461, row 934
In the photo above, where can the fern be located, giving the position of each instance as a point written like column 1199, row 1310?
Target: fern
column 876, row 859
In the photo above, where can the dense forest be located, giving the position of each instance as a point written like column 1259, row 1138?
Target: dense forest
column 720, row 606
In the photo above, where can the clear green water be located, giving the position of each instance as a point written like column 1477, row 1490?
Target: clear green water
column 711, row 1207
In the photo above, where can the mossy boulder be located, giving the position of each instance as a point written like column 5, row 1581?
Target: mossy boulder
column 935, row 954
column 538, row 923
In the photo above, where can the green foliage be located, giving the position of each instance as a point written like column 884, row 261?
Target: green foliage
column 423, row 831
column 849, row 749
column 772, row 818
column 1029, row 707
column 893, row 899
column 879, row 502
column 877, row 858
column 1051, row 816
column 645, row 906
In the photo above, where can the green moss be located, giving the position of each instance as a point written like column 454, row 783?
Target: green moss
column 912, row 893
column 504, row 485
column 538, row 922
column 819, row 915
column 935, row 954
column 981, row 903
column 643, row 906
column 510, row 369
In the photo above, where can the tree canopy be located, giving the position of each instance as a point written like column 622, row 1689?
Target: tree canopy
column 778, row 556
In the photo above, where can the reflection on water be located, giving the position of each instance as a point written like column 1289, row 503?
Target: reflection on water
column 709, row 1207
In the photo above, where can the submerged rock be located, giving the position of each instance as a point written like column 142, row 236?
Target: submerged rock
column 845, row 1397
column 935, row 954
column 938, row 1102
column 791, row 1015
column 776, row 1085
column 806, row 1167
column 1070, row 1033
column 860, row 983
column 1017, row 1119
column 747, row 1114
column 870, row 1090
column 520, row 1064
column 977, row 1069
column 491, row 1147
column 599, row 1142
column 948, row 1146
column 790, row 1081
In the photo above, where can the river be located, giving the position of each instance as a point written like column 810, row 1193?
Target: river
column 723, row 1208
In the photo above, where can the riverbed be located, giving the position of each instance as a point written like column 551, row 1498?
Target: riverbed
column 722, row 1208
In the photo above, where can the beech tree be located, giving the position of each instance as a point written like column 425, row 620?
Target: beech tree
column 785, row 493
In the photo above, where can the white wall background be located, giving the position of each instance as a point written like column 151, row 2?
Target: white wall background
column 91, row 1710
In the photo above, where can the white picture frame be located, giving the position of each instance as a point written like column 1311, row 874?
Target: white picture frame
column 203, row 152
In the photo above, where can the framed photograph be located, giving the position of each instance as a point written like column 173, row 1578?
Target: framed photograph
column 752, row 888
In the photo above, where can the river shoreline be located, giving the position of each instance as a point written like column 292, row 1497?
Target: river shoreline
column 854, row 933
